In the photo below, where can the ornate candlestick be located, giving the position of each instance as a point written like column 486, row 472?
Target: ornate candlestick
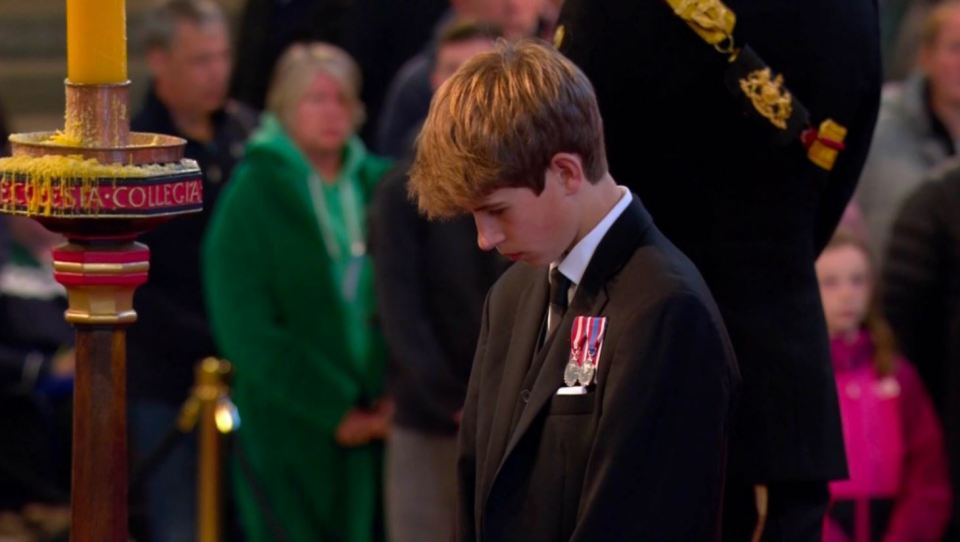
column 100, row 186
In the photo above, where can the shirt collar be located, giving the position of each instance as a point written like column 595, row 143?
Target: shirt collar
column 574, row 264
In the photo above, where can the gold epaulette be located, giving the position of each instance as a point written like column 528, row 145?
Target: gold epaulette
column 711, row 20
column 755, row 83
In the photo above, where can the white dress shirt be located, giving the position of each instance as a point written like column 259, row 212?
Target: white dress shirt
column 574, row 264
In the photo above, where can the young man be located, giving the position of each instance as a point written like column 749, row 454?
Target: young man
column 603, row 414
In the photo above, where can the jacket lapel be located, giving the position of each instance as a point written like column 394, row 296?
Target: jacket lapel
column 616, row 248
column 520, row 355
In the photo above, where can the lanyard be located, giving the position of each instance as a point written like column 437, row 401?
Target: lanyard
column 350, row 266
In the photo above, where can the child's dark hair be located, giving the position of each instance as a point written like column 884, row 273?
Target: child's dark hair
column 884, row 343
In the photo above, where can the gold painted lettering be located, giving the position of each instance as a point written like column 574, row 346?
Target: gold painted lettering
column 94, row 203
column 179, row 193
column 120, row 197
column 194, row 194
column 138, row 197
column 154, row 196
column 69, row 201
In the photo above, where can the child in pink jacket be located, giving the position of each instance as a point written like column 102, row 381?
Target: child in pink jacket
column 898, row 490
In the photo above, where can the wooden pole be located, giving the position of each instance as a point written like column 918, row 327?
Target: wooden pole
column 100, row 278
column 99, row 496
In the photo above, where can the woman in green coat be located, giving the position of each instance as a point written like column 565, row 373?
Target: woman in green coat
column 289, row 289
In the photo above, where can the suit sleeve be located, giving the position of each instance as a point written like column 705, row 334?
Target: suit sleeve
column 656, row 469
column 467, row 458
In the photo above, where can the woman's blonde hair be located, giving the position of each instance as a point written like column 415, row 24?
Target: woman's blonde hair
column 296, row 70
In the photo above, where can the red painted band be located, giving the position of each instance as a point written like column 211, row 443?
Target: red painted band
column 76, row 279
column 92, row 256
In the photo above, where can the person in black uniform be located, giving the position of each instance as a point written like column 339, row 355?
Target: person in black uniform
column 739, row 171
column 599, row 398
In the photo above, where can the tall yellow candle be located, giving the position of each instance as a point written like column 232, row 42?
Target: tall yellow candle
column 96, row 41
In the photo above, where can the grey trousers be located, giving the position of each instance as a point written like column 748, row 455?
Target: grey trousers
column 421, row 486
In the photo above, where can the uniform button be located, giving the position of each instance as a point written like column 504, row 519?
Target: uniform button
column 525, row 396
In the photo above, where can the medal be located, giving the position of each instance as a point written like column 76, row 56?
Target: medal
column 571, row 374
column 596, row 326
column 577, row 339
column 586, row 374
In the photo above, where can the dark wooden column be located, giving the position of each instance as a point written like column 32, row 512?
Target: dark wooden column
column 99, row 495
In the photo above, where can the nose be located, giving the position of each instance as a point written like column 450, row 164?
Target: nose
column 488, row 235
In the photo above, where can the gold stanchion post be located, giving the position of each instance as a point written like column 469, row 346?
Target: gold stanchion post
column 218, row 416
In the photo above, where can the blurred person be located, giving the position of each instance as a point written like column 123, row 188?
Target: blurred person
column 901, row 28
column 290, row 289
column 599, row 403
column 456, row 40
column 431, row 281
column 899, row 487
column 382, row 35
column 268, row 27
column 918, row 127
column 36, row 372
column 367, row 29
column 746, row 192
column 921, row 298
column 408, row 96
column 187, row 48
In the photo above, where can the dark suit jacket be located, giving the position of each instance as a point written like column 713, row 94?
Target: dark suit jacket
column 753, row 216
column 641, row 456
column 431, row 281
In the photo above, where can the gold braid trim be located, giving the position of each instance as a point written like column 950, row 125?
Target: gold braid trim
column 711, row 20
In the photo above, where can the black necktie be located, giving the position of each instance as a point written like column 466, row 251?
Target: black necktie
column 559, row 292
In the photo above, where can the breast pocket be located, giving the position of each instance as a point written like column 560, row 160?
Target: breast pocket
column 568, row 435
column 568, row 405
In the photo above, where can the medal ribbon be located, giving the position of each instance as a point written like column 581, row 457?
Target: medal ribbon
column 577, row 339
column 597, row 325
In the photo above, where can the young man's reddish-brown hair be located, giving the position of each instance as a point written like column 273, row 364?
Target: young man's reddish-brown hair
column 498, row 122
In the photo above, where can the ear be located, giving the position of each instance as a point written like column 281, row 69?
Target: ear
column 568, row 168
column 157, row 59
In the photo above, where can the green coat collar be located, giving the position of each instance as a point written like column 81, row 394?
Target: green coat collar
column 272, row 140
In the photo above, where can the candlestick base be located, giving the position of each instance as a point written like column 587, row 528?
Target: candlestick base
column 97, row 114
